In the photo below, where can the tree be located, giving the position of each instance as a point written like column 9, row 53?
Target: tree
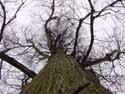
column 75, row 64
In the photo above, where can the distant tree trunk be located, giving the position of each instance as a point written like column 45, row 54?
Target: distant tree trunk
column 62, row 75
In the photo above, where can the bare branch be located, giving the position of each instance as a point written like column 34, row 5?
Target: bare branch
column 114, row 55
column 77, row 33
column 4, row 23
column 109, row 5
column 18, row 65
column 4, row 20
column 15, row 14
column 91, row 32
column 1, row 65
column 47, row 31
column 37, row 50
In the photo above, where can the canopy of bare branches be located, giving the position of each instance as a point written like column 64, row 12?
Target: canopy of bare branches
column 90, row 31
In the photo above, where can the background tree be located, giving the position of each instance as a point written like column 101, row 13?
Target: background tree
column 75, row 26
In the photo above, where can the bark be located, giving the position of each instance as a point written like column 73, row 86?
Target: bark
column 62, row 75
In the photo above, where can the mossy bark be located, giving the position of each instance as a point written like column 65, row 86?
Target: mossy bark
column 63, row 76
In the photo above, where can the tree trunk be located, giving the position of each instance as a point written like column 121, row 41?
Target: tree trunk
column 62, row 75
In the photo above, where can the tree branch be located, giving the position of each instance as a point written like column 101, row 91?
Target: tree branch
column 114, row 55
column 15, row 14
column 1, row 65
column 18, row 65
column 38, row 50
column 77, row 34
column 47, row 31
column 4, row 23
column 4, row 20
column 91, row 33
column 109, row 5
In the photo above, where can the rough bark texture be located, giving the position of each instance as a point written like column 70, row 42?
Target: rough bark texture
column 63, row 76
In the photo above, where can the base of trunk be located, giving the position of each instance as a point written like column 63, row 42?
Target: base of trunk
column 62, row 75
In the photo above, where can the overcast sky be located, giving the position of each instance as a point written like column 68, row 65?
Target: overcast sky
column 25, row 18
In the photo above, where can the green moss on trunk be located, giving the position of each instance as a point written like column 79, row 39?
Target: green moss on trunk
column 63, row 76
